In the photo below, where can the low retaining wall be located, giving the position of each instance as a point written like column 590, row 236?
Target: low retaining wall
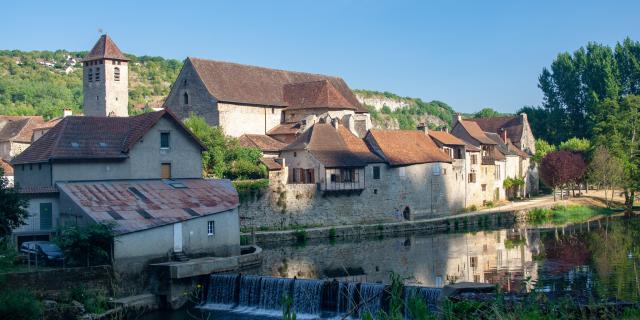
column 49, row 283
column 452, row 223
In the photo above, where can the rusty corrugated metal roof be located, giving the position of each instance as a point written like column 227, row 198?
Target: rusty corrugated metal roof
column 135, row 205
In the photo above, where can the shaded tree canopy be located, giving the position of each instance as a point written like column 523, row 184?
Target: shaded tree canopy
column 561, row 167
column 487, row 113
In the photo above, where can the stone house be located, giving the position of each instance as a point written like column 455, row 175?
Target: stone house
column 15, row 137
column 245, row 99
column 140, row 167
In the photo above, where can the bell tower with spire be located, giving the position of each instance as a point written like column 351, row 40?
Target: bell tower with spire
column 105, row 80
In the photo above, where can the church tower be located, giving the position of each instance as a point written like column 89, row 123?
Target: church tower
column 105, row 80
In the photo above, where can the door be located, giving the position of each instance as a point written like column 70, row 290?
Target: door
column 177, row 237
column 166, row 171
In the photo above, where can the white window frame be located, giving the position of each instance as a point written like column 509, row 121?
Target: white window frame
column 211, row 228
column 402, row 172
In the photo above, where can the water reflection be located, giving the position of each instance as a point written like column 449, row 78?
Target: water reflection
column 599, row 258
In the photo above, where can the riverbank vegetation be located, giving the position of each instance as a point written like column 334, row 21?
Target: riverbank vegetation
column 561, row 214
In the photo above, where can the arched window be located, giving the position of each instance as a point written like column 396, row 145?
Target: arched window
column 185, row 98
column 116, row 74
column 90, row 76
column 98, row 74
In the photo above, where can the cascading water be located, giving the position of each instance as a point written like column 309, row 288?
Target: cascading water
column 370, row 298
column 307, row 296
column 429, row 295
column 222, row 290
column 312, row 299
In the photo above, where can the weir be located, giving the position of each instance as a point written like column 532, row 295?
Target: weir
column 311, row 298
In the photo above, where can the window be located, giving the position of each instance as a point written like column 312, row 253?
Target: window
column 211, row 228
column 185, row 98
column 90, row 75
column 484, row 187
column 497, row 176
column 444, row 172
column 164, row 140
column 299, row 175
column 295, row 154
column 435, row 170
column 97, row 74
column 473, row 262
column 376, row 173
column 46, row 219
column 116, row 74
column 459, row 151
column 402, row 172
column 472, row 177
column 448, row 151
column 273, row 110
column 474, row 159
column 165, row 171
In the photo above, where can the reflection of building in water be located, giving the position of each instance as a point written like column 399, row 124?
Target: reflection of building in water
column 503, row 257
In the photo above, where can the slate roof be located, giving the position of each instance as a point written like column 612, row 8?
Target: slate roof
column 105, row 48
column 315, row 94
column 446, row 138
column 18, row 128
column 406, row 147
column 94, row 138
column 476, row 132
column 262, row 142
column 135, row 205
column 334, row 147
column 244, row 84
column 513, row 124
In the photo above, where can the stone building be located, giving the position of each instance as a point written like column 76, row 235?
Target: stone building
column 141, row 172
column 105, row 80
column 246, row 99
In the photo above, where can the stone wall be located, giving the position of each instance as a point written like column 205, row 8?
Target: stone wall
column 51, row 282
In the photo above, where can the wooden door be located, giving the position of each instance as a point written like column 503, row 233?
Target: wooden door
column 166, row 171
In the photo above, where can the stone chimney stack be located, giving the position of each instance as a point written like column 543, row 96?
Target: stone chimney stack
column 423, row 127
column 458, row 116
column 66, row 112
column 503, row 133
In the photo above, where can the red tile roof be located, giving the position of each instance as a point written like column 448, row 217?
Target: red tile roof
column 262, row 142
column 475, row 132
column 446, row 138
column 334, row 147
column 406, row 147
column 244, row 84
column 6, row 167
column 271, row 164
column 290, row 128
column 135, row 205
column 315, row 94
column 105, row 48
column 94, row 138
column 18, row 128
column 513, row 125
column 38, row 190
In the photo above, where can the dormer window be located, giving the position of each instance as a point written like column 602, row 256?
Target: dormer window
column 116, row 74
column 185, row 98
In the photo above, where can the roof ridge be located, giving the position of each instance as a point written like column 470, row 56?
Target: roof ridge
column 266, row 68
column 54, row 145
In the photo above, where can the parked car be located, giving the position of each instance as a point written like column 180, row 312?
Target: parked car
column 44, row 252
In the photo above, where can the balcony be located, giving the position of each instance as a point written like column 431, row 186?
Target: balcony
column 343, row 180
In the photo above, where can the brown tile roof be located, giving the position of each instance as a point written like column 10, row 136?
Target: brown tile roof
column 244, row 84
column 405, row 147
column 271, row 164
column 474, row 130
column 18, row 128
column 315, row 94
column 502, row 149
column 135, row 205
column 38, row 190
column 94, row 138
column 517, row 150
column 446, row 138
column 6, row 167
column 262, row 142
column 292, row 128
column 334, row 147
column 105, row 48
column 513, row 125
column 49, row 124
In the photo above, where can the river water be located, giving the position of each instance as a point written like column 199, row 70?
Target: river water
column 598, row 259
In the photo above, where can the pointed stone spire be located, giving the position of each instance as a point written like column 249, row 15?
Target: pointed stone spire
column 105, row 48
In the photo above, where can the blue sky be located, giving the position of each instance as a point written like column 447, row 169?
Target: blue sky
column 470, row 54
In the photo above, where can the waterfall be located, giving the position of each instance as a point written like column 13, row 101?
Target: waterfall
column 371, row 298
column 307, row 296
column 429, row 295
column 271, row 292
column 312, row 299
column 222, row 289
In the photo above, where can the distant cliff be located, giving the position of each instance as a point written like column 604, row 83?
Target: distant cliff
column 390, row 111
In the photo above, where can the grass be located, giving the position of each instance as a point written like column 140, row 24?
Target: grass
column 561, row 214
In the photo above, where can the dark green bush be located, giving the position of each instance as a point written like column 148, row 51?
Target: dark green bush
column 19, row 304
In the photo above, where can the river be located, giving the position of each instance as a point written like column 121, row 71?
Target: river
column 597, row 259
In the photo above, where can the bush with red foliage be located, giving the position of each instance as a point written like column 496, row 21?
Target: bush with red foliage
column 559, row 168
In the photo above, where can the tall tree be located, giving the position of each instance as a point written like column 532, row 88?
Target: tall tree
column 561, row 168
column 12, row 208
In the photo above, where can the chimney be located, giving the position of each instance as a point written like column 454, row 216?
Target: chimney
column 503, row 133
column 423, row 127
column 66, row 112
column 334, row 123
column 444, row 129
column 458, row 116
column 524, row 117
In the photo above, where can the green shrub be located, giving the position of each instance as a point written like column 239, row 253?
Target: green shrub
column 300, row 235
column 489, row 204
column 19, row 304
column 473, row 208
column 332, row 233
